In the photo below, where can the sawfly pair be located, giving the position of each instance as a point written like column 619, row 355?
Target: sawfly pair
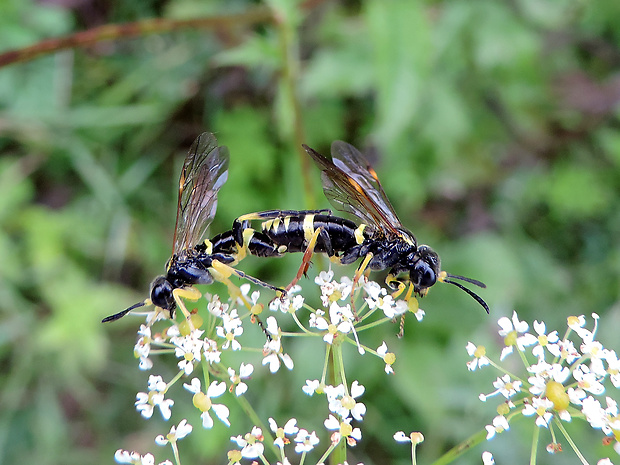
column 349, row 183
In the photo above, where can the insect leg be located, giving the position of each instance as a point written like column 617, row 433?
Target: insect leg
column 189, row 293
column 305, row 262
column 361, row 269
column 395, row 283
column 412, row 306
column 222, row 272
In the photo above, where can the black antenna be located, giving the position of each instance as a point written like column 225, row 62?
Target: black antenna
column 469, row 291
column 119, row 315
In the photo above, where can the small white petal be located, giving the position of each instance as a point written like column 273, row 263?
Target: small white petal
column 487, row 458
column 332, row 423
column 357, row 389
column 400, row 436
column 194, row 386
column 222, row 413
column 216, row 389
column 245, row 370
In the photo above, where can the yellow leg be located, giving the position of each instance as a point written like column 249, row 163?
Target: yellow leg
column 412, row 304
column 362, row 268
column 221, row 272
column 390, row 281
column 189, row 293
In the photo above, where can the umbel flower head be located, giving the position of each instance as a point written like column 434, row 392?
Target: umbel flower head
column 216, row 363
column 562, row 379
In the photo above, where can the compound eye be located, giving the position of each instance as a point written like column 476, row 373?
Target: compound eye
column 424, row 275
column 161, row 293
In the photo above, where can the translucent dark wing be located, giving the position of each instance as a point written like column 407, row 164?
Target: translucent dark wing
column 204, row 172
column 351, row 161
column 352, row 186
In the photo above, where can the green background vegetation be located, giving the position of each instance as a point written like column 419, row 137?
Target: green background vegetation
column 493, row 127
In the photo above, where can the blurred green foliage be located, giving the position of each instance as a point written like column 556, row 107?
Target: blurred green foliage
column 494, row 129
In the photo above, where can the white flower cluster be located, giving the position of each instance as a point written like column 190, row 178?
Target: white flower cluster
column 201, row 351
column 341, row 402
column 562, row 377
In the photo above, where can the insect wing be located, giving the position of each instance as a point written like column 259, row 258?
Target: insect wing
column 204, row 172
column 351, row 161
column 347, row 194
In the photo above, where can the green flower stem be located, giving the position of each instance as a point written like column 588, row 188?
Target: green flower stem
column 174, row 380
column 512, row 375
column 339, row 453
column 300, row 326
column 521, row 353
column 327, row 452
column 205, row 372
column 571, row 442
column 339, row 365
column 326, row 365
column 414, row 459
column 535, row 441
column 371, row 325
column 256, row 420
column 461, row 448
column 175, row 451
column 337, row 376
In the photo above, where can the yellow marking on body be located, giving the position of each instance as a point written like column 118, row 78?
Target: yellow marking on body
column 247, row 236
column 276, row 223
column 282, row 249
column 266, row 225
column 308, row 227
column 287, row 222
column 359, row 233
column 442, row 275
column 209, row 246
column 249, row 217
column 242, row 250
